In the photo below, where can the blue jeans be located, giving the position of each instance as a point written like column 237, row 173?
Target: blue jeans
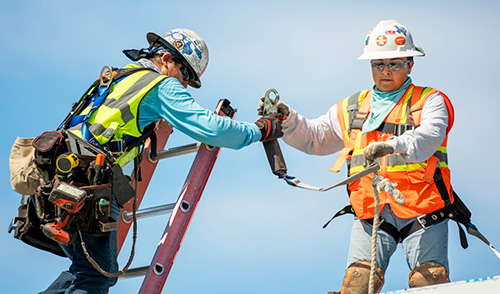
column 82, row 277
column 429, row 244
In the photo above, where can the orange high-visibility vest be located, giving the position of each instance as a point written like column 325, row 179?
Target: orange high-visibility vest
column 414, row 180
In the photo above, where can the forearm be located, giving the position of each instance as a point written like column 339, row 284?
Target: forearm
column 320, row 136
column 172, row 103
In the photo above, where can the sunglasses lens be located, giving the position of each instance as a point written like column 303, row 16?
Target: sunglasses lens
column 378, row 66
column 395, row 65
column 185, row 73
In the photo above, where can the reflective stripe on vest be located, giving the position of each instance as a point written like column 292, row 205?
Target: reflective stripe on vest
column 415, row 180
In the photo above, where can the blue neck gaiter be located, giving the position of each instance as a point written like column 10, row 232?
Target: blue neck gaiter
column 381, row 105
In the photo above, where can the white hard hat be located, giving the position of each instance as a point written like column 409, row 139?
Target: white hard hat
column 189, row 45
column 389, row 39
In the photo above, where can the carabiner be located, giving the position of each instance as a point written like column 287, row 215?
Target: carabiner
column 110, row 80
column 269, row 106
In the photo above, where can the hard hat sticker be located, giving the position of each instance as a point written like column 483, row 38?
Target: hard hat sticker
column 179, row 44
column 177, row 36
column 381, row 40
column 390, row 32
column 400, row 41
column 400, row 30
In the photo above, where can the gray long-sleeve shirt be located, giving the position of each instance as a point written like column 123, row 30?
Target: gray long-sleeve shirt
column 323, row 136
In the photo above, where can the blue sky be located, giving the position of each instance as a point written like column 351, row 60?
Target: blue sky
column 251, row 232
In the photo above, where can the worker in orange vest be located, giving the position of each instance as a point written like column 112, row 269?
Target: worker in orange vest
column 404, row 128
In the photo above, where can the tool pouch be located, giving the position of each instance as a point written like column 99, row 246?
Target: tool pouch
column 48, row 146
column 26, row 225
column 25, row 175
column 122, row 189
column 95, row 216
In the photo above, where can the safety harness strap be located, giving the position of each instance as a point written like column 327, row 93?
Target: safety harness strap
column 421, row 222
column 438, row 179
column 396, row 129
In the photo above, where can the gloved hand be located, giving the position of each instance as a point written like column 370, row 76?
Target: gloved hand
column 282, row 108
column 377, row 149
column 270, row 127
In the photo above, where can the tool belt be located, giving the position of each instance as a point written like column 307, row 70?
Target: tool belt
column 78, row 197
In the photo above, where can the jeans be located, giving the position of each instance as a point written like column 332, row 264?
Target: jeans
column 82, row 277
column 428, row 244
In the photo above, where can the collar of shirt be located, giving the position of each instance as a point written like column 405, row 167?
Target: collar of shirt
column 148, row 64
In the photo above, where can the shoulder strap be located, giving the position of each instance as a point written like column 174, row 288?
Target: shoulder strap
column 360, row 114
column 351, row 105
column 352, row 108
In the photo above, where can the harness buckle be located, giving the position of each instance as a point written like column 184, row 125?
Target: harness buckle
column 116, row 146
column 421, row 220
column 401, row 128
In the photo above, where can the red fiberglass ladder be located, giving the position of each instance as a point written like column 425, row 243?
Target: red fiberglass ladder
column 181, row 212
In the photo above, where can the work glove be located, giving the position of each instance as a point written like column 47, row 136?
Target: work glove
column 377, row 149
column 282, row 108
column 270, row 127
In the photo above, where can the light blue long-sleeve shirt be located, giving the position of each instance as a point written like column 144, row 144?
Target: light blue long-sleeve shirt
column 171, row 101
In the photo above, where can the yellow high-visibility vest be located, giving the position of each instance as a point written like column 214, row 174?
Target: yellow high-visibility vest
column 116, row 117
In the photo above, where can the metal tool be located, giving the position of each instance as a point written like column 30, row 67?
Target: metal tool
column 270, row 106
column 273, row 150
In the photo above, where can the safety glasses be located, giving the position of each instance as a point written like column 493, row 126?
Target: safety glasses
column 393, row 65
column 187, row 75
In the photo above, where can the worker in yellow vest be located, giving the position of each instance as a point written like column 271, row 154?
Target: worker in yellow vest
column 151, row 89
column 404, row 128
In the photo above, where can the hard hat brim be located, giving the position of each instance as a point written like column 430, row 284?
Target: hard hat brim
column 153, row 38
column 391, row 54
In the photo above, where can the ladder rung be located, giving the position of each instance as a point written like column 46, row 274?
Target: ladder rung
column 134, row 272
column 175, row 151
column 127, row 216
